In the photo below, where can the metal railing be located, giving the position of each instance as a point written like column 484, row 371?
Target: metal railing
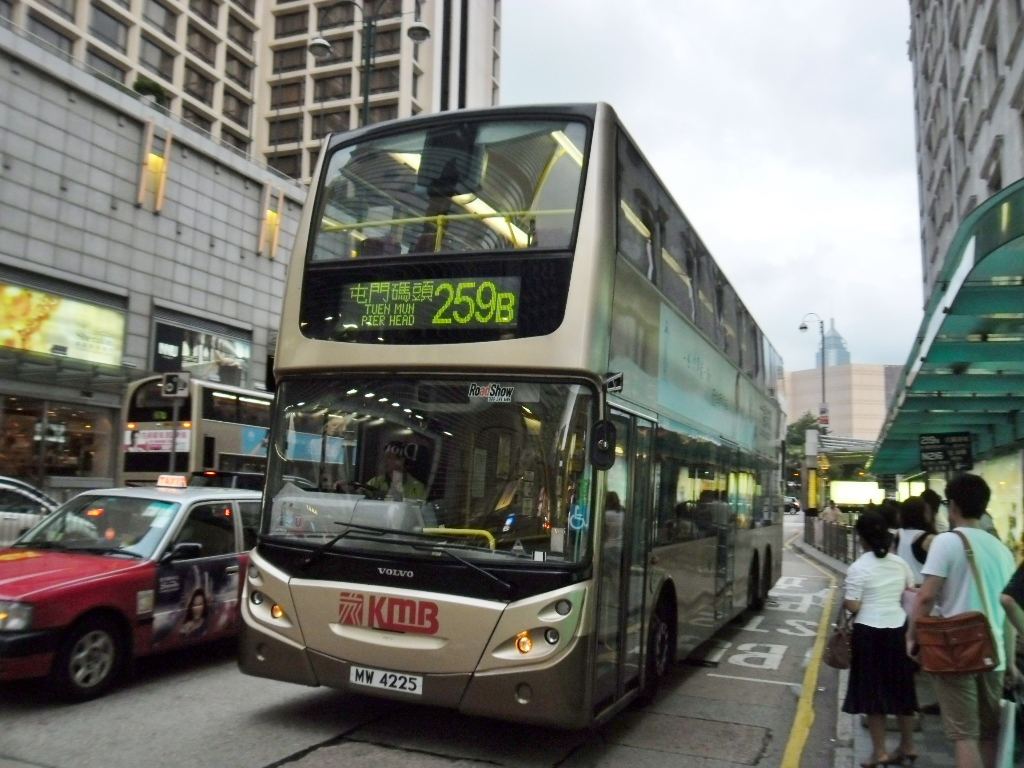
column 834, row 539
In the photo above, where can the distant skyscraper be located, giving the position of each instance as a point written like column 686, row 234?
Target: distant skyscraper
column 835, row 348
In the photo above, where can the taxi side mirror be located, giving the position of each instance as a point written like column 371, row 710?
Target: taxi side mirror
column 183, row 550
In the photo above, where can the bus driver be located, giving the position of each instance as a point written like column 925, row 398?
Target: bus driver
column 396, row 482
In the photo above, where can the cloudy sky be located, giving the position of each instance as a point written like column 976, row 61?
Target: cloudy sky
column 783, row 128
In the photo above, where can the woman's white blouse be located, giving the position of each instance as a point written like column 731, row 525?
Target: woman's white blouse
column 878, row 583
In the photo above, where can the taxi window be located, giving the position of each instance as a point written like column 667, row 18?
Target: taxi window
column 250, row 512
column 210, row 525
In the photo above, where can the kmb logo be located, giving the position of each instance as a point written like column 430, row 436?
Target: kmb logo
column 397, row 614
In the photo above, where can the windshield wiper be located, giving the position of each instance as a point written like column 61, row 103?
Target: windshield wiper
column 106, row 551
column 469, row 564
column 317, row 553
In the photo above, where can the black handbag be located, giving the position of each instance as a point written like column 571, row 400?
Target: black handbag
column 838, row 648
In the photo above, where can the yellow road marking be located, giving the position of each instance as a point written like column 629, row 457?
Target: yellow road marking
column 805, row 707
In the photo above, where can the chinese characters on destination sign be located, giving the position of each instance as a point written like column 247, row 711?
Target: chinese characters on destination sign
column 463, row 302
column 946, row 451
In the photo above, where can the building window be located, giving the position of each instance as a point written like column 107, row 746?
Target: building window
column 156, row 59
column 103, row 67
column 330, row 122
column 338, row 15
column 287, row 94
column 384, row 80
column 161, row 17
column 239, row 33
column 6, row 9
column 198, row 85
column 233, row 140
column 198, row 119
column 289, row 59
column 236, row 108
column 55, row 39
column 205, row 9
column 383, row 112
column 246, row 5
column 389, row 9
column 201, row 45
column 289, row 164
column 387, row 43
column 238, row 71
column 334, row 87
column 286, row 130
column 109, row 29
column 341, row 51
column 291, row 24
column 65, row 8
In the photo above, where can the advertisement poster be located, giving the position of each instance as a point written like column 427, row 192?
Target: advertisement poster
column 156, row 440
column 205, row 355
column 55, row 325
column 254, row 440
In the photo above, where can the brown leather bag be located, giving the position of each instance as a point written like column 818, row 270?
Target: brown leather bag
column 837, row 649
column 962, row 644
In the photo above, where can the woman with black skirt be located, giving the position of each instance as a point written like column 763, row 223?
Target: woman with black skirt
column 881, row 675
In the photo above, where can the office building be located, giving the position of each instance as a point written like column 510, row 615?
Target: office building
column 963, row 382
column 967, row 61
column 857, row 395
column 242, row 70
column 129, row 243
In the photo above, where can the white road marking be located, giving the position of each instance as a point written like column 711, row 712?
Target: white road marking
column 752, row 679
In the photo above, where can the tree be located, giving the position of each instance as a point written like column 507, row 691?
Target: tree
column 795, row 444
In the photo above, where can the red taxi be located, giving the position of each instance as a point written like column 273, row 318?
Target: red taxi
column 119, row 573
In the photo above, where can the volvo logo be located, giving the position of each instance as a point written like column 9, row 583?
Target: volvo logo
column 395, row 572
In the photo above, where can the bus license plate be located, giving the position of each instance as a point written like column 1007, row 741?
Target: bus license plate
column 389, row 681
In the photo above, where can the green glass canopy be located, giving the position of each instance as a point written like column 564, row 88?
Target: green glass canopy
column 965, row 372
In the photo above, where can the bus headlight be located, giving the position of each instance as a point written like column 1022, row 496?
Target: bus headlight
column 15, row 616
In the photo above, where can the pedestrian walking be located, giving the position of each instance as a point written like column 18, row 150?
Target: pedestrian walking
column 969, row 702
column 881, row 675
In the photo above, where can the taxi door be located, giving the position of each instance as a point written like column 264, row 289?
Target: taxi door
column 197, row 598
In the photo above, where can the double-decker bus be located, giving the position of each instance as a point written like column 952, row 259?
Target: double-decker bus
column 213, row 426
column 538, row 430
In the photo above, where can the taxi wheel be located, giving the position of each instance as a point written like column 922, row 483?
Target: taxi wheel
column 89, row 660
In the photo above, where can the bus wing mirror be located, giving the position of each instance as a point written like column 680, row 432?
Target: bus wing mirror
column 602, row 445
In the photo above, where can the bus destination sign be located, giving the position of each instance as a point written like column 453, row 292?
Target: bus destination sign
column 436, row 304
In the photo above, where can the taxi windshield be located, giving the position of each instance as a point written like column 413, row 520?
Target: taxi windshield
column 103, row 524
column 495, row 469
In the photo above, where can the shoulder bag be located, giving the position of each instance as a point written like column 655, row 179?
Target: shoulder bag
column 962, row 644
column 837, row 649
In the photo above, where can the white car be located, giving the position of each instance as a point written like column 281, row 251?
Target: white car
column 21, row 507
column 791, row 504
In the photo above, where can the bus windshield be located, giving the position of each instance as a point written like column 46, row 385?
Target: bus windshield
column 497, row 469
column 459, row 187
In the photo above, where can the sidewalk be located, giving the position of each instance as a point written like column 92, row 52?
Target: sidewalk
column 853, row 744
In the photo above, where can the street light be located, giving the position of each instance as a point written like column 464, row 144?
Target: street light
column 823, row 408
column 321, row 48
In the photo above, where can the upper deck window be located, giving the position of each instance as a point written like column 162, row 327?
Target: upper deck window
column 457, row 187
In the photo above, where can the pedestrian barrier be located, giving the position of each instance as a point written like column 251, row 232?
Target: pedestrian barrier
column 834, row 539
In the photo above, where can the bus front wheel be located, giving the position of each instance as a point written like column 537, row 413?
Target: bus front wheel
column 660, row 649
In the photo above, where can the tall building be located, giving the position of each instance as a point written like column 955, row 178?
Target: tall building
column 242, row 70
column 958, row 401
column 836, row 352
column 968, row 72
column 857, row 395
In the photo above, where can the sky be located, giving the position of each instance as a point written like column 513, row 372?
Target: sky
column 783, row 128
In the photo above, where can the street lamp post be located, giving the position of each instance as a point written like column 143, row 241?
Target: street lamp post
column 321, row 48
column 823, row 408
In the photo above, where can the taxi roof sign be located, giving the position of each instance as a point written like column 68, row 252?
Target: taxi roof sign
column 172, row 481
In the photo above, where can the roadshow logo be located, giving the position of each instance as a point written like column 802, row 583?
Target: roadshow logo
column 394, row 614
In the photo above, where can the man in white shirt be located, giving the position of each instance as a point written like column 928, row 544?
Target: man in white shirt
column 969, row 703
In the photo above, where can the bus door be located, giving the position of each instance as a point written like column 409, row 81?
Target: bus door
column 725, row 529
column 622, row 554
